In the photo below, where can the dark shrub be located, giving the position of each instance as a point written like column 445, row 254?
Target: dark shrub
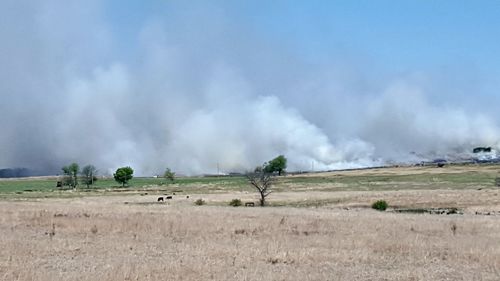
column 199, row 202
column 235, row 203
column 380, row 205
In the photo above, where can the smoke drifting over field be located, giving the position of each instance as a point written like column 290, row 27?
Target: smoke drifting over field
column 196, row 88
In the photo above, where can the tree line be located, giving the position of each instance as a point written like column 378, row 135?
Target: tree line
column 72, row 175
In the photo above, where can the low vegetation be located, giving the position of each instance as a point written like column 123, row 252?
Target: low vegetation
column 199, row 202
column 380, row 205
column 235, row 203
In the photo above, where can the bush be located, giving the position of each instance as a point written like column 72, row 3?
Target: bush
column 497, row 181
column 199, row 202
column 235, row 203
column 380, row 205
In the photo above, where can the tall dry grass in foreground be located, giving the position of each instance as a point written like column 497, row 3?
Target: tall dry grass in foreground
column 63, row 240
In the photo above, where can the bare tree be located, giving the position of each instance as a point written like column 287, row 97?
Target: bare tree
column 262, row 181
column 89, row 175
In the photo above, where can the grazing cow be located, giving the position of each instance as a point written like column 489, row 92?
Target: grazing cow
column 249, row 204
column 168, row 197
column 160, row 199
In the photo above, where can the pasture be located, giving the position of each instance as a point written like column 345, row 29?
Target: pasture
column 318, row 226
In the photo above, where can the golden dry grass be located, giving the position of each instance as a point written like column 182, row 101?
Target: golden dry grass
column 100, row 238
column 411, row 170
column 330, row 234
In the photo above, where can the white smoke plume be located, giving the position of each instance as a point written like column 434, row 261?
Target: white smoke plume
column 197, row 90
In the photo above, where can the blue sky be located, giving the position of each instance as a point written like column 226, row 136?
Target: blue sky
column 399, row 35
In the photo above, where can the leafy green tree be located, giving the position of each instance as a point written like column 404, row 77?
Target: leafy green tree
column 89, row 175
column 169, row 175
column 71, row 174
column 278, row 164
column 123, row 175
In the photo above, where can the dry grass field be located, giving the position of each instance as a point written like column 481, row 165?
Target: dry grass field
column 317, row 234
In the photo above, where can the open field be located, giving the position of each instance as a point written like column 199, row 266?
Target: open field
column 318, row 227
column 46, row 186
column 400, row 178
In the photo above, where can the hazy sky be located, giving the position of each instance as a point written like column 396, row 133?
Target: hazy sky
column 192, row 84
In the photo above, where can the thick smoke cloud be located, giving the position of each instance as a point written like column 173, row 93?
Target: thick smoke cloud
column 198, row 89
